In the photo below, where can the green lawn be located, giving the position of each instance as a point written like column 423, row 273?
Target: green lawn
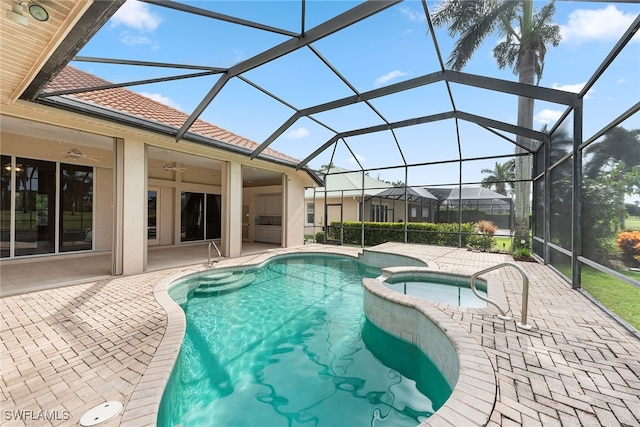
column 502, row 244
column 632, row 223
column 619, row 297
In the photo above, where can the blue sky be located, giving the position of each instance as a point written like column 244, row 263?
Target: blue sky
column 390, row 47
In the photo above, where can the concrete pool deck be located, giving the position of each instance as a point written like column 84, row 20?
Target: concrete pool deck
column 68, row 349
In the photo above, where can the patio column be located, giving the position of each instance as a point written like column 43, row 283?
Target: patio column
column 130, row 198
column 231, row 209
column 294, row 211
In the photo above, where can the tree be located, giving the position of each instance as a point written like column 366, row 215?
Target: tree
column 501, row 176
column 618, row 153
column 525, row 35
column 327, row 167
column 396, row 183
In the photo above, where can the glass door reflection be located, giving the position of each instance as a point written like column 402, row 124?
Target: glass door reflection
column 35, row 207
column 152, row 217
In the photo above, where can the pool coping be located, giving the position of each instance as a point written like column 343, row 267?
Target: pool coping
column 474, row 393
column 495, row 288
column 144, row 404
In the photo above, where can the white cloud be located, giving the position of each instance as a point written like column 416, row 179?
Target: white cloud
column 360, row 158
column 413, row 15
column 136, row 15
column 575, row 88
column 547, row 117
column 134, row 40
column 161, row 99
column 594, row 25
column 297, row 133
column 622, row 80
column 389, row 76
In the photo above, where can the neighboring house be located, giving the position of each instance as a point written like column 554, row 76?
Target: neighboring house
column 100, row 170
column 343, row 195
column 418, row 203
column 487, row 204
column 386, row 203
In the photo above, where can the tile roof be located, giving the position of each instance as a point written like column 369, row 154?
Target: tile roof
column 127, row 101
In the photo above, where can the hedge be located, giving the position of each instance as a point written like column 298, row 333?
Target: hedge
column 426, row 233
column 474, row 215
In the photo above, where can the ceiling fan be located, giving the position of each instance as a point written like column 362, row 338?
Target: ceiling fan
column 168, row 166
column 76, row 154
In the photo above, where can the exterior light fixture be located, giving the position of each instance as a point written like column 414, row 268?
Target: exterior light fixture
column 38, row 12
column 16, row 14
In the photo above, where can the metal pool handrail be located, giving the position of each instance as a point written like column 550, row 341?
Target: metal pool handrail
column 525, row 293
column 212, row 243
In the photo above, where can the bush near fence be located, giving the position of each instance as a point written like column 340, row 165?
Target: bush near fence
column 426, row 233
column 474, row 215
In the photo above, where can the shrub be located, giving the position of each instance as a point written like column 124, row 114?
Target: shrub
column 475, row 241
column 319, row 237
column 486, row 229
column 629, row 244
column 425, row 233
column 522, row 254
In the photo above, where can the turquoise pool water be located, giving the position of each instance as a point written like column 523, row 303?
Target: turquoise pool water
column 442, row 290
column 288, row 345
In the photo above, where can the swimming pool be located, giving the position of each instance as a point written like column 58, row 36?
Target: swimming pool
column 440, row 288
column 290, row 345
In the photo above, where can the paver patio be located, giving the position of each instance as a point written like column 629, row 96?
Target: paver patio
column 66, row 350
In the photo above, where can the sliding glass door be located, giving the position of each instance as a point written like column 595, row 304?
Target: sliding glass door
column 200, row 217
column 214, row 219
column 35, row 207
column 76, row 208
column 5, row 206
column 47, row 211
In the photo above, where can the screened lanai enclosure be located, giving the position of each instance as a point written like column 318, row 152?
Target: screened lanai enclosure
column 382, row 90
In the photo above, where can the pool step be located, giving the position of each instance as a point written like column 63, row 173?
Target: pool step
column 218, row 276
column 233, row 282
column 220, row 279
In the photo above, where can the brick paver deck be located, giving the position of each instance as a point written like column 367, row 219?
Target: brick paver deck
column 66, row 350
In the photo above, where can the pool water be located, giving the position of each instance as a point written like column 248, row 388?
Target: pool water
column 441, row 290
column 293, row 348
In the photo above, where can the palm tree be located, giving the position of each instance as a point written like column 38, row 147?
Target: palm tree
column 326, row 167
column 501, row 176
column 622, row 147
column 618, row 144
column 525, row 35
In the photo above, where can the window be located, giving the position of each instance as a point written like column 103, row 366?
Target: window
column 425, row 213
column 311, row 213
column 379, row 213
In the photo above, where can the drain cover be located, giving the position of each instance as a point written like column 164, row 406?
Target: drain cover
column 101, row 413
